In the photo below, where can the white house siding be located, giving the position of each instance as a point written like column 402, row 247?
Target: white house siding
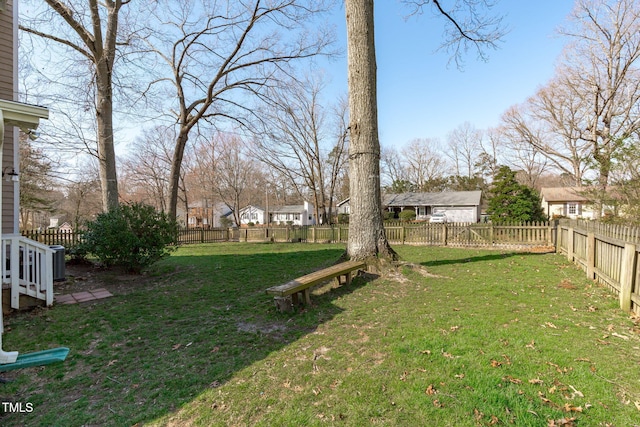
column 458, row 213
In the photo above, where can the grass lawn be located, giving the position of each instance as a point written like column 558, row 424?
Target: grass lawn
column 462, row 338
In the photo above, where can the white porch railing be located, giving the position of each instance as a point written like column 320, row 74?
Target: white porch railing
column 27, row 267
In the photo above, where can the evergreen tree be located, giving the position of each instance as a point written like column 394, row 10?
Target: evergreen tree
column 512, row 201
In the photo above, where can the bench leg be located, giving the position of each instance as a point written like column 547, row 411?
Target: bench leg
column 307, row 296
column 295, row 299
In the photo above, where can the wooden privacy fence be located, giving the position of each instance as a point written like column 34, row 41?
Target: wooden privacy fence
column 607, row 253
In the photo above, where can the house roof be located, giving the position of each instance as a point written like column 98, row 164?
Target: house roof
column 445, row 198
column 288, row 209
column 563, row 194
column 25, row 116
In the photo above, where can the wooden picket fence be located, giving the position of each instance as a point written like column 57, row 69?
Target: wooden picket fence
column 608, row 254
column 451, row 234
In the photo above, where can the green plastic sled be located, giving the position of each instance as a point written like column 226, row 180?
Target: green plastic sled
column 38, row 358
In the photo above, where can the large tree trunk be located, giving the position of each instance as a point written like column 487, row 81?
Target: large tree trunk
column 367, row 238
column 106, row 148
column 174, row 176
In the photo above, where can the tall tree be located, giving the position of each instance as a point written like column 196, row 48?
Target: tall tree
column 217, row 57
column 366, row 231
column 36, row 184
column 305, row 141
column 464, row 147
column 89, row 28
column 602, row 61
column 367, row 238
column 423, row 163
column 145, row 168
column 512, row 201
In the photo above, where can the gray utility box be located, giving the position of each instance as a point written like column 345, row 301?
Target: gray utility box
column 58, row 263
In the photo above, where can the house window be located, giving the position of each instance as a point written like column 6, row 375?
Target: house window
column 572, row 209
column 296, row 217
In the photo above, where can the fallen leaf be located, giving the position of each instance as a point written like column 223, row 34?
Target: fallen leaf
column 495, row 363
column 637, row 403
column 430, row 390
column 427, row 352
column 624, row 337
column 112, row 362
column 576, row 393
column 512, row 379
column 550, row 325
column 531, row 345
column 571, row 408
column 536, row 381
column 459, row 376
column 176, row 346
column 562, row 422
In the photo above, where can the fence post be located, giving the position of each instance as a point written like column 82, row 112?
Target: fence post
column 626, row 275
column 570, row 244
column 444, row 234
column 591, row 255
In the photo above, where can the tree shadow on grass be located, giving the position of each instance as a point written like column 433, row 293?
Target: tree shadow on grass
column 480, row 258
column 141, row 355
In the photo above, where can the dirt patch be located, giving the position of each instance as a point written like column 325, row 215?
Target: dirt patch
column 84, row 277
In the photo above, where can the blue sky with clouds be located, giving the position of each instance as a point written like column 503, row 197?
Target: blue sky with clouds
column 422, row 95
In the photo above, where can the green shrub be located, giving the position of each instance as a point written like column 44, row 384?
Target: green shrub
column 343, row 218
column 226, row 222
column 132, row 236
column 407, row 215
column 388, row 216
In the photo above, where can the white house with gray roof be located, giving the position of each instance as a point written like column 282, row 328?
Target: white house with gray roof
column 458, row 206
column 293, row 214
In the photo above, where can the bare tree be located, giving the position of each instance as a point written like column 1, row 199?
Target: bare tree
column 146, row 167
column 464, row 145
column 235, row 172
column 89, row 29
column 218, row 56
column 37, row 184
column 83, row 202
column 422, row 162
column 602, row 62
column 366, row 231
column 304, row 141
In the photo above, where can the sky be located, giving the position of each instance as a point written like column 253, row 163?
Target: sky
column 422, row 95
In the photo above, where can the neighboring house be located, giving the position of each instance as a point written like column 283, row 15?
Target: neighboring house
column 458, row 206
column 203, row 214
column 252, row 213
column 343, row 207
column 569, row 202
column 293, row 214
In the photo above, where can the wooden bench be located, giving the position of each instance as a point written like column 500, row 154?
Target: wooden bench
column 301, row 287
